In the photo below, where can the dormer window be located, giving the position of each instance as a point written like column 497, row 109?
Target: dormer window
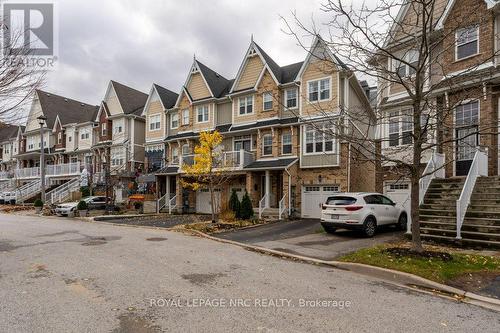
column 467, row 42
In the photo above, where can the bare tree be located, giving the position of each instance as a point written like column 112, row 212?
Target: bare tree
column 403, row 46
column 19, row 77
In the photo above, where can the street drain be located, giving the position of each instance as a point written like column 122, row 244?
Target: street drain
column 156, row 239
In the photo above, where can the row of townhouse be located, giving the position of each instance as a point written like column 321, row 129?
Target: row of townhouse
column 464, row 81
column 275, row 121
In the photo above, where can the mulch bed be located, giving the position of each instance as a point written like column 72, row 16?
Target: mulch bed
column 160, row 221
column 399, row 252
column 484, row 283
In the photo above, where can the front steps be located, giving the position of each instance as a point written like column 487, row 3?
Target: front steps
column 481, row 226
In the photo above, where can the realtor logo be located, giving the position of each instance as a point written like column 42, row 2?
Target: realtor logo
column 29, row 30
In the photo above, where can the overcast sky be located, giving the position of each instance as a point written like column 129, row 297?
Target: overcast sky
column 141, row 42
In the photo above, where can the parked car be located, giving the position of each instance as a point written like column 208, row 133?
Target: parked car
column 10, row 197
column 69, row 208
column 361, row 211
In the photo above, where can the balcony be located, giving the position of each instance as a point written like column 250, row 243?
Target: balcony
column 229, row 160
column 52, row 170
column 5, row 175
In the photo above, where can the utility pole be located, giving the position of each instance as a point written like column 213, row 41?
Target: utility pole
column 107, row 176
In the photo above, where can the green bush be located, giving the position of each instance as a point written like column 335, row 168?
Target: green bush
column 246, row 209
column 38, row 203
column 234, row 204
column 85, row 190
column 82, row 205
column 138, row 205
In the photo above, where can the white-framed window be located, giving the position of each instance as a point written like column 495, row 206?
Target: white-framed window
column 59, row 138
column 291, row 98
column 318, row 139
column 406, row 68
column 467, row 42
column 70, row 138
column 84, row 135
column 174, row 120
column 175, row 155
column 154, row 122
column 185, row 117
column 267, row 99
column 319, row 90
column 394, row 129
column 267, row 144
column 467, row 114
column 407, row 128
column 286, row 143
column 104, row 129
column 245, row 105
column 118, row 126
column 202, row 113
column 185, row 150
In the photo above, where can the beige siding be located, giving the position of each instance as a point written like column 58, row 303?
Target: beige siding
column 224, row 115
column 250, row 73
column 35, row 112
column 319, row 160
column 85, row 143
column 70, row 133
column 319, row 69
column 138, row 148
column 155, row 108
column 120, row 137
column 198, row 127
column 197, row 87
column 112, row 102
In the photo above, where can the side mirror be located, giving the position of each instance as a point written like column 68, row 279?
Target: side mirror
column 393, row 204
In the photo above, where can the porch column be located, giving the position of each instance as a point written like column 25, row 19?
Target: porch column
column 268, row 189
column 167, row 185
column 178, row 191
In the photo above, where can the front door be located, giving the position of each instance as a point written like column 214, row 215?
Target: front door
column 466, row 135
column 467, row 141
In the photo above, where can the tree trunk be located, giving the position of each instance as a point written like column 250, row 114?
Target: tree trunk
column 212, row 201
column 415, row 179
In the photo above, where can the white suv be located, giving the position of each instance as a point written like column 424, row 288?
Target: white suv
column 361, row 211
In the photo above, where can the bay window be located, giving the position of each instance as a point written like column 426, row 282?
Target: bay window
column 318, row 139
column 202, row 113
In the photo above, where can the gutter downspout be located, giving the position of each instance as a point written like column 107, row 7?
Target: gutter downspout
column 346, row 104
column 289, row 191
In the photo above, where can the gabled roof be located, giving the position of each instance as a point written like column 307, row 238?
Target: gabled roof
column 273, row 66
column 216, row 82
column 131, row 100
column 440, row 24
column 317, row 42
column 167, row 97
column 68, row 110
column 8, row 131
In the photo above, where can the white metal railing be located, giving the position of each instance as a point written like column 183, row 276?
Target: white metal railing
column 282, row 206
column 28, row 190
column 172, row 203
column 5, row 175
column 262, row 205
column 63, row 192
column 479, row 167
column 6, row 186
column 27, row 172
column 63, row 169
column 433, row 169
column 237, row 159
column 161, row 202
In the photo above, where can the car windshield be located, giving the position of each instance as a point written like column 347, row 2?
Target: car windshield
column 340, row 201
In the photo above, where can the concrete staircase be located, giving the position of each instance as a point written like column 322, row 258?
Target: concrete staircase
column 481, row 226
column 269, row 214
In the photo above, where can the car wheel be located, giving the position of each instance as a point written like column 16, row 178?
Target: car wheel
column 369, row 227
column 329, row 229
column 403, row 222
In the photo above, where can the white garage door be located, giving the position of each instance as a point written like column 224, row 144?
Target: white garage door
column 203, row 204
column 399, row 192
column 313, row 196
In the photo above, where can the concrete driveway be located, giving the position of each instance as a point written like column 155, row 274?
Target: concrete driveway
column 306, row 237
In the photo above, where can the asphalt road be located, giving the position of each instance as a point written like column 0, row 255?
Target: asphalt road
column 306, row 237
column 61, row 275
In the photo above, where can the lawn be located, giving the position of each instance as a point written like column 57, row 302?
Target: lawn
column 439, row 265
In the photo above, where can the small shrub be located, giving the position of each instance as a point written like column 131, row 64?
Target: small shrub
column 82, row 205
column 38, row 203
column 85, row 191
column 138, row 205
column 246, row 209
column 234, row 204
column 227, row 215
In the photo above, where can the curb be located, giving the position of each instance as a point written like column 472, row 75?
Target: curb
column 402, row 279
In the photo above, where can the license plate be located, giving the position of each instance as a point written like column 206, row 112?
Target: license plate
column 334, row 217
